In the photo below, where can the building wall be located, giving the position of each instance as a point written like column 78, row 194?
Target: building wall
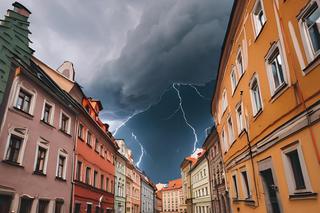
column 147, row 197
column 19, row 179
column 284, row 122
column 200, row 188
column 98, row 154
column 120, row 184
column 136, row 194
column 171, row 200
column 186, row 187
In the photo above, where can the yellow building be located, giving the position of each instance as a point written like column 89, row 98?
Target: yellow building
column 267, row 106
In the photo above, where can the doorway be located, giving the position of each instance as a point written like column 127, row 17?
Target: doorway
column 270, row 186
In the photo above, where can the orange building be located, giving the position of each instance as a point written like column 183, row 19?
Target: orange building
column 266, row 106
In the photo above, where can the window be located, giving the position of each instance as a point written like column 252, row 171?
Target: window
column 102, row 182
column 89, row 207
column 230, row 130
column 47, row 113
column 25, row 205
column 240, row 64
column 255, row 96
column 43, row 206
column 224, row 100
column 245, row 184
column 88, row 173
column 233, row 79
column 276, row 71
column 89, row 137
column 65, row 123
column 310, row 21
column 96, row 146
column 239, row 113
column 62, row 165
column 80, row 131
column 259, row 18
column 235, row 186
column 41, row 158
column 95, row 177
column 293, row 158
column 224, row 141
column 24, row 101
column 14, row 149
column 58, row 206
column 79, row 168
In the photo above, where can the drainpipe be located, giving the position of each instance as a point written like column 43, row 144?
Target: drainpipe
column 251, row 159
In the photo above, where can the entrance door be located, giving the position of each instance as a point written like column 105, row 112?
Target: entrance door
column 5, row 203
column 269, row 186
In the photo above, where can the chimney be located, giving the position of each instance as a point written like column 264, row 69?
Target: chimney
column 20, row 9
column 67, row 70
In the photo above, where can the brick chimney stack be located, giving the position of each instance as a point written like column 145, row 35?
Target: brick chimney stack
column 20, row 9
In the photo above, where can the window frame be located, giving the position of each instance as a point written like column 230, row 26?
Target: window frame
column 68, row 131
column 233, row 138
column 270, row 57
column 91, row 137
column 64, row 172
column 288, row 170
column 233, row 84
column 51, row 114
column 255, row 21
column 89, row 176
column 240, row 52
column 24, row 136
column 255, row 110
column 224, row 101
column 32, row 101
column 242, row 122
column 306, row 40
column 235, row 185
column 246, row 188
column 45, row 145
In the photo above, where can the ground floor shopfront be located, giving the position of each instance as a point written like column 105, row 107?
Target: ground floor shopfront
column 90, row 199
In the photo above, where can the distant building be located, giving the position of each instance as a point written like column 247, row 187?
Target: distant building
column 185, row 167
column 120, row 184
column 147, row 195
column 220, row 200
column 172, row 197
column 200, row 186
column 158, row 204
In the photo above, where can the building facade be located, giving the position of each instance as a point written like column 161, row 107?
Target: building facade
column 94, row 170
column 200, row 187
column 266, row 106
column 220, row 200
column 120, row 184
column 136, row 192
column 147, row 195
column 172, row 196
column 158, row 203
column 185, row 168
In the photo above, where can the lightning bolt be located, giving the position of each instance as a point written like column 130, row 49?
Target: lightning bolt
column 141, row 148
column 197, row 91
column 184, row 115
column 206, row 131
column 137, row 113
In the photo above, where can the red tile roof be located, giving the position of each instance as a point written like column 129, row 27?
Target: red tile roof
column 173, row 184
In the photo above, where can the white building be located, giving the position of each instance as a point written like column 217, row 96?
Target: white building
column 172, row 197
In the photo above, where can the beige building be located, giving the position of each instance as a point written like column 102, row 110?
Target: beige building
column 172, row 197
column 200, row 187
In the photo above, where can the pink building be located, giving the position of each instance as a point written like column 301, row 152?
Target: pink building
column 37, row 141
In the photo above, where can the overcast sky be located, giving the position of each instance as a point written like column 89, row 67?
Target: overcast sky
column 129, row 54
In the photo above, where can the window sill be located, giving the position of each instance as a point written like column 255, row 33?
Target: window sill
column 80, row 138
column 278, row 92
column 89, row 145
column 22, row 113
column 12, row 163
column 241, row 133
column 303, row 195
column 40, row 173
column 65, row 133
column 97, row 152
column 47, row 124
column 61, row 179
column 260, row 32
column 312, row 65
column 255, row 116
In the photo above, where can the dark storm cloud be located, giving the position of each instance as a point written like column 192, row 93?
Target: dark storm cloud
column 175, row 41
